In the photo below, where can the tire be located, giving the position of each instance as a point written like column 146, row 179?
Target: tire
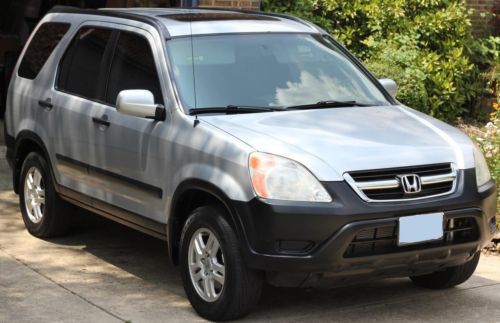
column 241, row 287
column 449, row 277
column 46, row 219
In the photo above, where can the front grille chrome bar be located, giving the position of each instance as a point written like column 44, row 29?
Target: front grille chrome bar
column 394, row 183
column 360, row 187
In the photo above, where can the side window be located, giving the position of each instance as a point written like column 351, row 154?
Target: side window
column 41, row 46
column 133, row 67
column 82, row 70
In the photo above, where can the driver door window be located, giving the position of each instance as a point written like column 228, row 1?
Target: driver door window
column 132, row 67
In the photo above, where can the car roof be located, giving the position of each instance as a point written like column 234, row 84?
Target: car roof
column 180, row 22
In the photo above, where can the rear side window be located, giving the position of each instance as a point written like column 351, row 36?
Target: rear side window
column 82, row 71
column 41, row 46
column 133, row 67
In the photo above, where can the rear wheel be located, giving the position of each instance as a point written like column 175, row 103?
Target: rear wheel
column 217, row 283
column 449, row 277
column 44, row 213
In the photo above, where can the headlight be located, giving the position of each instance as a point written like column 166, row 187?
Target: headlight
column 279, row 178
column 482, row 172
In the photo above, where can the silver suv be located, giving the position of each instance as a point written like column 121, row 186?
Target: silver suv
column 254, row 144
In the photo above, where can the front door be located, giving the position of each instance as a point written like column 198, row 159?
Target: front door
column 132, row 144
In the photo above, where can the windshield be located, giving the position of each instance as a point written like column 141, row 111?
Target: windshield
column 266, row 70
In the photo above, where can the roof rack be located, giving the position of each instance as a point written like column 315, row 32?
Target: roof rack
column 265, row 13
column 114, row 13
column 151, row 20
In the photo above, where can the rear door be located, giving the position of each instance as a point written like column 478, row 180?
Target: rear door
column 80, row 89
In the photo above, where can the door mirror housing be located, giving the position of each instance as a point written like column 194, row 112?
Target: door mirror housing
column 139, row 103
column 390, row 86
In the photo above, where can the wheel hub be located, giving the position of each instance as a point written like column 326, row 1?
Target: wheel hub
column 206, row 265
column 34, row 195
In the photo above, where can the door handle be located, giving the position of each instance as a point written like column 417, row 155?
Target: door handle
column 46, row 104
column 101, row 121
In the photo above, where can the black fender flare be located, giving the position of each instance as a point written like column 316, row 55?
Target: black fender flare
column 202, row 185
column 22, row 137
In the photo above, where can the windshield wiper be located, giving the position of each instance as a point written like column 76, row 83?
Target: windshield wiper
column 233, row 109
column 329, row 104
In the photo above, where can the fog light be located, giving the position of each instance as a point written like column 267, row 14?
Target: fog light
column 296, row 247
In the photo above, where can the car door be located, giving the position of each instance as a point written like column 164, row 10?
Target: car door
column 131, row 145
column 79, row 97
column 108, row 156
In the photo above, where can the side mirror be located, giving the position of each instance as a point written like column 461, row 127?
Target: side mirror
column 390, row 86
column 139, row 103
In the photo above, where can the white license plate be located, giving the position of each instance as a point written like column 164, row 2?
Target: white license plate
column 420, row 228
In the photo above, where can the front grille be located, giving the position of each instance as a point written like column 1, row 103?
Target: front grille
column 385, row 184
column 384, row 239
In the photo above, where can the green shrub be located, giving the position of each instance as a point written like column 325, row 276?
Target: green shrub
column 428, row 81
column 425, row 45
column 487, row 137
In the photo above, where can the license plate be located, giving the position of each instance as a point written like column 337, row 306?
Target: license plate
column 420, row 228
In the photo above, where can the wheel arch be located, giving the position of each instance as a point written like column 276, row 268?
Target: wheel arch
column 189, row 195
column 26, row 142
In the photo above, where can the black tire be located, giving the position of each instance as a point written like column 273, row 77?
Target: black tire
column 242, row 286
column 448, row 277
column 56, row 218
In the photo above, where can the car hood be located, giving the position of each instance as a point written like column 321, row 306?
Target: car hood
column 330, row 142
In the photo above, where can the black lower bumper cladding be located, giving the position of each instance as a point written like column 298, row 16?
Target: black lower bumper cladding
column 350, row 240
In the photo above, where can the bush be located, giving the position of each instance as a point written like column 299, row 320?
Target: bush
column 425, row 45
column 488, row 139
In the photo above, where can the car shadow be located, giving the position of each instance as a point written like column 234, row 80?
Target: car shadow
column 147, row 258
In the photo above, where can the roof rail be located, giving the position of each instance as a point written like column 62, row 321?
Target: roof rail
column 297, row 19
column 265, row 13
column 114, row 13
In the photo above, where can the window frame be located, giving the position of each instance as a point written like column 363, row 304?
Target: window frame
column 30, row 42
column 108, row 55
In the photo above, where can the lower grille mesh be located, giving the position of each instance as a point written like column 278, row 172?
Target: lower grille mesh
column 383, row 239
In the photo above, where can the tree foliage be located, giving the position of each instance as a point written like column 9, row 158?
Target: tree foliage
column 425, row 45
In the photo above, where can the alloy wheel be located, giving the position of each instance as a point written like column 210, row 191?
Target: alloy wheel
column 206, row 265
column 34, row 195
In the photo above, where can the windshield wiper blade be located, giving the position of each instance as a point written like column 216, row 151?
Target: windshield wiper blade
column 328, row 104
column 233, row 109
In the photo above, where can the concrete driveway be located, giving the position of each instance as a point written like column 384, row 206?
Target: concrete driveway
column 104, row 272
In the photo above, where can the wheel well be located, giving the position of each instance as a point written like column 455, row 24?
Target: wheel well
column 184, row 205
column 23, row 148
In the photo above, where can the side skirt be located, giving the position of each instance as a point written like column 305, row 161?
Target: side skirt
column 132, row 220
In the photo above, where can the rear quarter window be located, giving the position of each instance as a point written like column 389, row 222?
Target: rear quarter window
column 43, row 43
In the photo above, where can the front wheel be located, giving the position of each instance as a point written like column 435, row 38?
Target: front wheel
column 217, row 283
column 448, row 277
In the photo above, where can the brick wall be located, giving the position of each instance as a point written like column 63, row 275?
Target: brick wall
column 242, row 4
column 484, row 25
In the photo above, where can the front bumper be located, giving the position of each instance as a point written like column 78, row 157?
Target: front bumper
column 301, row 244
